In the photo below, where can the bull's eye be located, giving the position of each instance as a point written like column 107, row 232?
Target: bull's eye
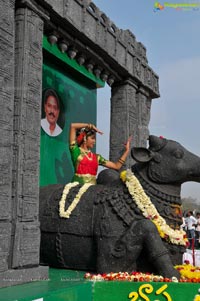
column 178, row 154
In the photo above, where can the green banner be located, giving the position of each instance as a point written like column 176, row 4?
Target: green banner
column 68, row 97
column 70, row 285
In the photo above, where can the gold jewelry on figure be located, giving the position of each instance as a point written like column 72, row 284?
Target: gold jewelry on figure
column 90, row 126
column 121, row 161
column 85, row 153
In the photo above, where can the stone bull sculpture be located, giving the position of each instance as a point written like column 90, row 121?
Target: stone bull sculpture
column 107, row 231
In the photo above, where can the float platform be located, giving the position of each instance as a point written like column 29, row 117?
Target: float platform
column 67, row 285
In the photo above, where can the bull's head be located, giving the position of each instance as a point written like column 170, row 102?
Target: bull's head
column 167, row 161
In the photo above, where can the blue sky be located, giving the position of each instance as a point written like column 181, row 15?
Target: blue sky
column 173, row 51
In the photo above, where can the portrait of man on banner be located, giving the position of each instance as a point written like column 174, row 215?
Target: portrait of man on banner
column 51, row 109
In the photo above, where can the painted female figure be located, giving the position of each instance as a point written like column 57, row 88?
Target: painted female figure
column 82, row 139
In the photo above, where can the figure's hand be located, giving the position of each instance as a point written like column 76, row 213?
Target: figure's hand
column 127, row 144
column 97, row 130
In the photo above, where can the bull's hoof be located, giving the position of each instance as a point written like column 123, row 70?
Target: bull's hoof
column 169, row 272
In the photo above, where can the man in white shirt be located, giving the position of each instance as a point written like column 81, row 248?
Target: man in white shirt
column 190, row 223
column 52, row 110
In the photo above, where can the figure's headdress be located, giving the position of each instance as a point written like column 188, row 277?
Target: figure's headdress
column 82, row 135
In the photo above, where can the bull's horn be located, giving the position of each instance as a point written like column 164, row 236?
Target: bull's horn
column 156, row 143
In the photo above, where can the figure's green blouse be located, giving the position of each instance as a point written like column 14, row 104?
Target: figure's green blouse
column 85, row 164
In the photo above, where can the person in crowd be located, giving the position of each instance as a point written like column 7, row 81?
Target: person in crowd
column 82, row 138
column 198, row 230
column 183, row 225
column 52, row 110
column 190, row 224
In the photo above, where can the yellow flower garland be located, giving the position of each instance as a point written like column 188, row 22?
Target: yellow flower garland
column 143, row 202
column 67, row 213
column 189, row 271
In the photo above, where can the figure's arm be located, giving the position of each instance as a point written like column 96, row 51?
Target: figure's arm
column 117, row 165
column 77, row 126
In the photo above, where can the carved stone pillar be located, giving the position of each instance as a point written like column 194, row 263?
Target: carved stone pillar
column 130, row 115
column 144, row 108
column 6, row 128
column 124, row 118
column 28, row 81
column 24, row 241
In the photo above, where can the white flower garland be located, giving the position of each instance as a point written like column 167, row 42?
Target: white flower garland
column 82, row 190
column 143, row 202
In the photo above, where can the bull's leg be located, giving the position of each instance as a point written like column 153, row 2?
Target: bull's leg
column 112, row 257
column 143, row 234
column 119, row 251
column 158, row 254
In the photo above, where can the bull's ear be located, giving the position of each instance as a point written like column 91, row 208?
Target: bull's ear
column 141, row 154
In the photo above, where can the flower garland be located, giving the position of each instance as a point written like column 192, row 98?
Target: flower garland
column 67, row 213
column 143, row 202
column 125, row 276
column 189, row 273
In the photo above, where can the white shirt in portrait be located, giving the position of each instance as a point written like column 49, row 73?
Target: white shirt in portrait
column 46, row 127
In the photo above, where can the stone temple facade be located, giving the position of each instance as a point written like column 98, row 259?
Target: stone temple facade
column 88, row 35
